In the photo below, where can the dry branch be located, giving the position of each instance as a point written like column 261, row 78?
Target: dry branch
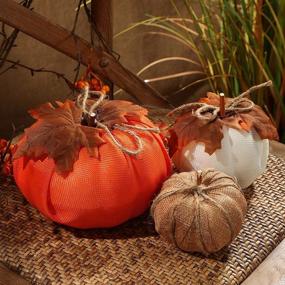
column 15, row 64
column 73, row 46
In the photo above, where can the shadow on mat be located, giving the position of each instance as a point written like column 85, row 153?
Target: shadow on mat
column 142, row 226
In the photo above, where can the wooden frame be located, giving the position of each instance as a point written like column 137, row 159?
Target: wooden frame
column 103, row 63
column 102, row 17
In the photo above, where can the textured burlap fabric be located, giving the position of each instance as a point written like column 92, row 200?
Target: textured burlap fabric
column 45, row 253
column 199, row 211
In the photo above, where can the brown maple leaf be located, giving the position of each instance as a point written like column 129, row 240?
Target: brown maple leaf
column 189, row 128
column 58, row 134
column 114, row 112
column 262, row 124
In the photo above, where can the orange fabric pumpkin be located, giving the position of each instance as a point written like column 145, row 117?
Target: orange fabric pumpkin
column 101, row 191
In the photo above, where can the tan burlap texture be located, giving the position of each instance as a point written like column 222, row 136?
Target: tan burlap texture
column 199, row 211
column 45, row 253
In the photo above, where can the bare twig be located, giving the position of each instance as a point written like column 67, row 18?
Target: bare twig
column 3, row 31
column 95, row 31
column 9, row 41
column 15, row 64
column 6, row 47
column 77, row 70
column 78, row 65
column 256, row 87
column 76, row 17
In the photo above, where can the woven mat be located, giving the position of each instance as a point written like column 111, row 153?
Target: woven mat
column 46, row 253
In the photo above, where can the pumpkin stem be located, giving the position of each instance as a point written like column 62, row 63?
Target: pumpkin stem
column 89, row 114
column 222, row 104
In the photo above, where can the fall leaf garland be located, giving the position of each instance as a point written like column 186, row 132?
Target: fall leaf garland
column 190, row 127
column 59, row 134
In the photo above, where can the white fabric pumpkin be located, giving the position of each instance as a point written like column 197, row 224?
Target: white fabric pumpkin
column 242, row 154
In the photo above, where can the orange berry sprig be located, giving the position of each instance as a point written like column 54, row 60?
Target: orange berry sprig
column 6, row 152
column 91, row 80
column 81, row 84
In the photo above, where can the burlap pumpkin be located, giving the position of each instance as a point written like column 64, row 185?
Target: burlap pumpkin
column 199, row 211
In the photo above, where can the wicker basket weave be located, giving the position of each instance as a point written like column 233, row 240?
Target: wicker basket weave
column 133, row 253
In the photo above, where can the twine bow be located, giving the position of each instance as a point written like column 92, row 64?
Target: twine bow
column 128, row 129
column 205, row 111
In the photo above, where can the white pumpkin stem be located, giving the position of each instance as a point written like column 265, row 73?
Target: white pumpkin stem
column 222, row 104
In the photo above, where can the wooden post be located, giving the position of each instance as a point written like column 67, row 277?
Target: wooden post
column 36, row 26
column 102, row 17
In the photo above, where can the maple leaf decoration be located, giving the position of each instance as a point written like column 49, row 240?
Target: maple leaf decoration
column 188, row 127
column 118, row 112
column 58, row 133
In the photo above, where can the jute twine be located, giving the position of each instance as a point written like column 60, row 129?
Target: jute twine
column 128, row 129
column 205, row 111
column 199, row 211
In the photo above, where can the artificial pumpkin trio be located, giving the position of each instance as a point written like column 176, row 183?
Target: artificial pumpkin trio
column 96, row 163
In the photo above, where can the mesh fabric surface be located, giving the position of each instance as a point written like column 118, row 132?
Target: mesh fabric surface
column 100, row 192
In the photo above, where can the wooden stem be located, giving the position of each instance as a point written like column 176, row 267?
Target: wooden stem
column 36, row 26
column 222, row 104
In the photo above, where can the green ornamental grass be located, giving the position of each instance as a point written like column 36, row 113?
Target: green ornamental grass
column 237, row 44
